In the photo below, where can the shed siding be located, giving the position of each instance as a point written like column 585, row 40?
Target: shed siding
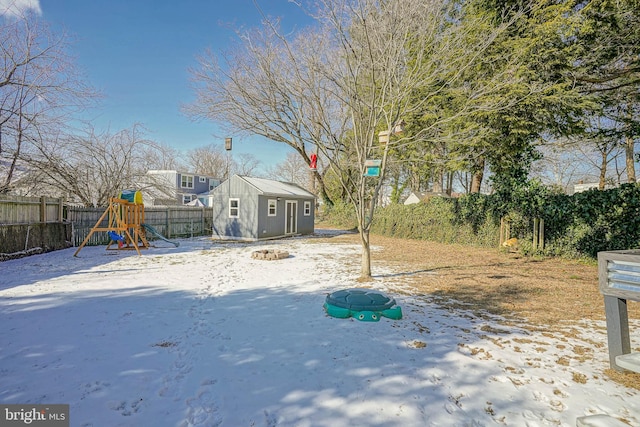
column 306, row 224
column 254, row 222
column 242, row 227
column 270, row 226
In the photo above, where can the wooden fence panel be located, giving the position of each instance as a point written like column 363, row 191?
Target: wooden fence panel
column 83, row 220
column 169, row 221
column 17, row 240
column 29, row 210
column 189, row 222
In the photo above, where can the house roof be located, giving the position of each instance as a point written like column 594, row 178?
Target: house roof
column 423, row 196
column 178, row 172
column 270, row 187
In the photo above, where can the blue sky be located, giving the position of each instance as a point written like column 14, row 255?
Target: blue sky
column 137, row 54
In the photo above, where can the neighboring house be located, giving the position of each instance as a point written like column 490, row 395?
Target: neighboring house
column 247, row 208
column 20, row 185
column 581, row 186
column 414, row 198
column 422, row 197
column 171, row 187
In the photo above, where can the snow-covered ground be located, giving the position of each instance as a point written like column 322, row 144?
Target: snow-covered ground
column 204, row 335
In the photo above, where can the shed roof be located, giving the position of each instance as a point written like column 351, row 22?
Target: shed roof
column 270, row 187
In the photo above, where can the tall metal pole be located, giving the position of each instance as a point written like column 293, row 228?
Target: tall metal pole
column 227, row 146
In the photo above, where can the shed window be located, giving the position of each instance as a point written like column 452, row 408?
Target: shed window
column 234, row 208
column 202, row 179
column 273, row 207
column 307, row 208
column 186, row 181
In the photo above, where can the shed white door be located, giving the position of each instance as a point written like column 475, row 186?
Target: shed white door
column 291, row 219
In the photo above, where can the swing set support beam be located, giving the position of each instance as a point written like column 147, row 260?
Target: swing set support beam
column 124, row 218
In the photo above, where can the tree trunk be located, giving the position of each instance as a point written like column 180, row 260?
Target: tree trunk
column 476, row 182
column 631, row 165
column 319, row 181
column 603, row 171
column 365, row 268
column 414, row 181
column 437, row 181
column 478, row 175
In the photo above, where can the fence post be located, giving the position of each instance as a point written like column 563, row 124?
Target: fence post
column 43, row 209
column 538, row 234
column 505, row 230
column 166, row 222
column 60, row 210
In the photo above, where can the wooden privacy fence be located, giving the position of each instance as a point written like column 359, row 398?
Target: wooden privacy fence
column 17, row 240
column 170, row 221
column 38, row 224
column 30, row 225
column 29, row 210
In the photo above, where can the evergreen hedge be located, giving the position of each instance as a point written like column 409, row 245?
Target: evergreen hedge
column 576, row 226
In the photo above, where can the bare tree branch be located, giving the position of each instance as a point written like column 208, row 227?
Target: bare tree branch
column 39, row 88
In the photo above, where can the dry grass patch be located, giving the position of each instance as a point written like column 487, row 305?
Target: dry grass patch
column 579, row 378
column 546, row 293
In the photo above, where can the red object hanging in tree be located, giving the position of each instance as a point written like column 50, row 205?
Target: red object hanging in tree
column 313, row 161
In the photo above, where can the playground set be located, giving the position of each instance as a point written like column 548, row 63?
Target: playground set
column 125, row 224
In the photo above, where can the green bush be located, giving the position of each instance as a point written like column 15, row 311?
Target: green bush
column 340, row 214
column 612, row 218
column 439, row 219
column 575, row 226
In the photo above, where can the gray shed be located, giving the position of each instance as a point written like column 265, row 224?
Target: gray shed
column 246, row 208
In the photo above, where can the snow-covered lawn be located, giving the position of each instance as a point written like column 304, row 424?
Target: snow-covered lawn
column 204, row 335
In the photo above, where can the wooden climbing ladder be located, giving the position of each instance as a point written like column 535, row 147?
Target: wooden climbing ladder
column 125, row 219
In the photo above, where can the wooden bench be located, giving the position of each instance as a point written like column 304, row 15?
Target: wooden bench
column 619, row 281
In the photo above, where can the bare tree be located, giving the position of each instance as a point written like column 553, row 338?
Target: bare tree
column 91, row 168
column 162, row 157
column 600, row 154
column 210, row 160
column 17, row 8
column 39, row 88
column 213, row 160
column 254, row 89
column 336, row 87
column 602, row 146
column 247, row 164
column 292, row 169
column 626, row 122
column 382, row 52
column 562, row 165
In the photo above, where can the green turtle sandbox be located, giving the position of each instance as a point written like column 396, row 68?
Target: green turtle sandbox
column 367, row 305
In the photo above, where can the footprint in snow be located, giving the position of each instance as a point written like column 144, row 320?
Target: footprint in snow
column 202, row 410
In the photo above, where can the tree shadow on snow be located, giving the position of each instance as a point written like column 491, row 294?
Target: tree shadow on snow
column 145, row 355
